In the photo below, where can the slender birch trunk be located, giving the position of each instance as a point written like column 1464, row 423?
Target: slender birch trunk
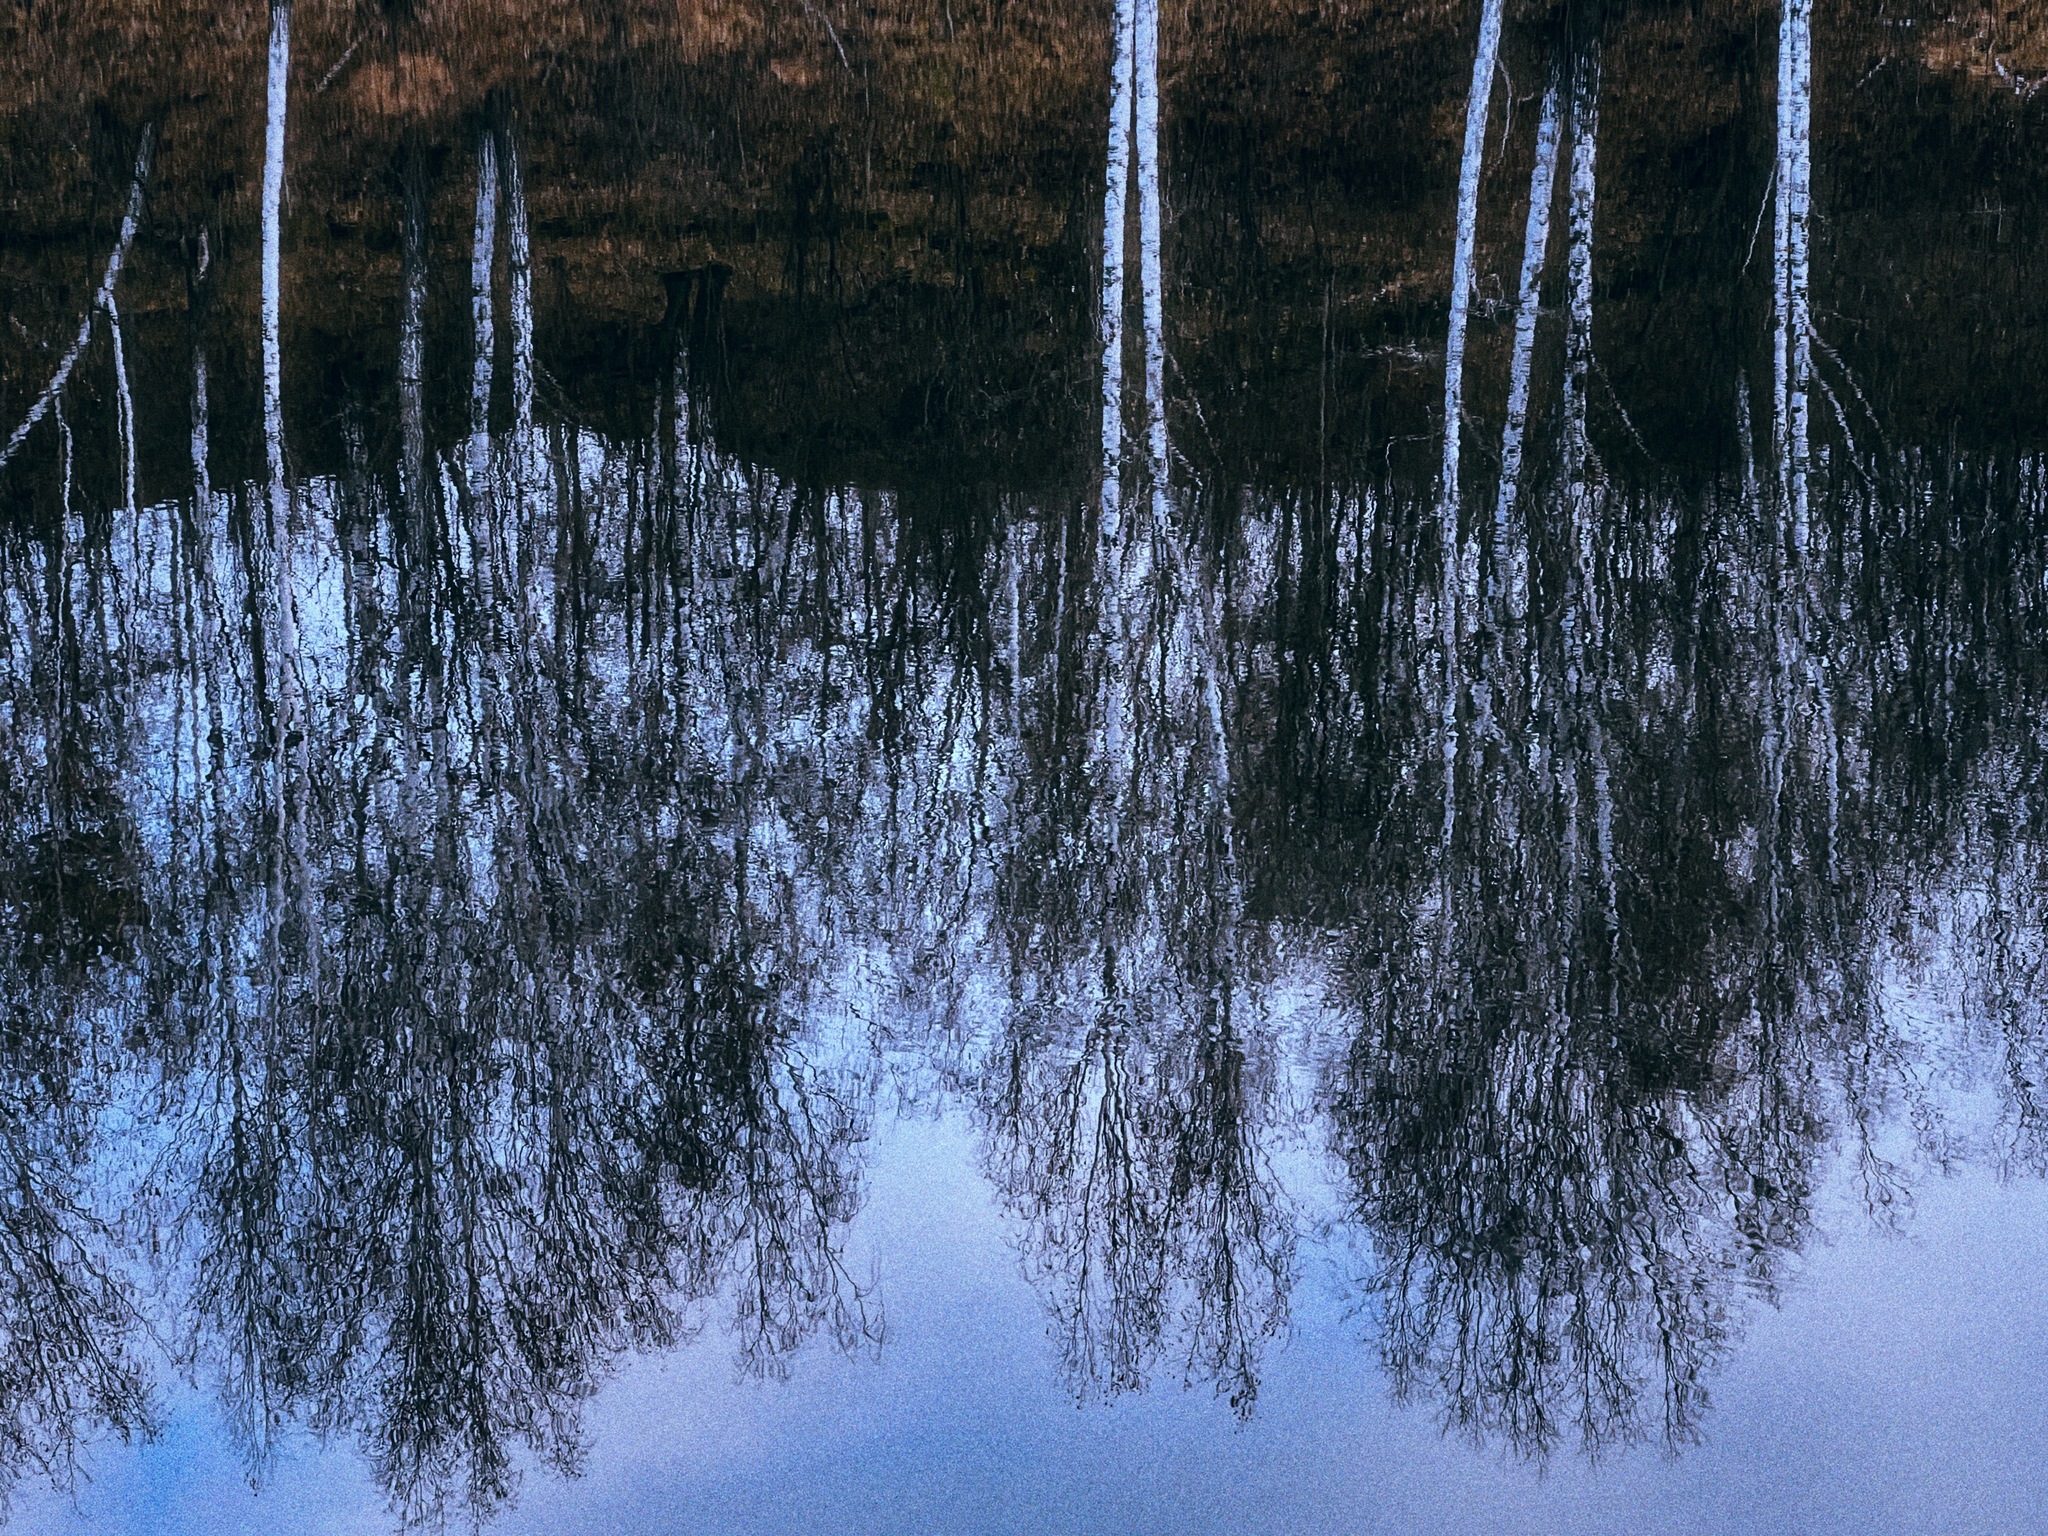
column 125, row 397
column 1150, row 220
column 412, row 263
column 1012, row 560
column 1116, row 190
column 273, row 238
column 1118, row 558
column 1510, row 554
column 1794, row 318
column 199, row 300
column 1581, row 627
column 284, row 659
column 518, row 280
column 1484, row 62
column 102, row 297
column 483, row 506
column 679, row 287
column 482, row 256
column 1585, row 111
column 1578, row 454
column 1781, row 230
column 198, row 292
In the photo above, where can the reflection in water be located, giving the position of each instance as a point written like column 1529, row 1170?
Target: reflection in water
column 470, row 880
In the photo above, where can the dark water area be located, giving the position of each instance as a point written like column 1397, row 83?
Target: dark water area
column 1024, row 767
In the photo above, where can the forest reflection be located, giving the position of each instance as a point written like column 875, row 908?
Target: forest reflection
column 473, row 887
column 516, row 982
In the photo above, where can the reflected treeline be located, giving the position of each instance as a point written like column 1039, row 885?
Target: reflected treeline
column 514, row 996
column 481, row 1000
column 467, row 887
column 445, row 952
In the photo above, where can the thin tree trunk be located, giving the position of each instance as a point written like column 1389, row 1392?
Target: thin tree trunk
column 518, row 280
column 1579, row 263
column 1781, row 230
column 1115, row 194
column 129, row 219
column 482, row 254
column 125, row 397
column 198, row 293
column 1012, row 559
column 412, row 262
column 1578, row 453
column 286, row 650
column 1484, row 62
column 273, row 237
column 1794, row 349
column 200, row 577
column 1510, row 556
column 1120, row 565
column 1150, row 220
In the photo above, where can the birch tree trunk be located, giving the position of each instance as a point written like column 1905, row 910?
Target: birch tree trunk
column 1585, row 113
column 273, row 239
column 482, row 256
column 285, row 651
column 412, row 265
column 1793, row 362
column 1150, row 220
column 1485, row 60
column 199, row 302
column 518, row 280
column 1510, row 553
column 1118, row 566
column 1116, row 190
column 1578, row 454
column 1450, row 601
column 198, row 293
column 125, row 398
column 102, row 297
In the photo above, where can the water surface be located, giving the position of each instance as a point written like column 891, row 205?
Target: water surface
column 1023, row 769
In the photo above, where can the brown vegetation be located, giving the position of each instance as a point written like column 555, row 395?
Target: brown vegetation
column 926, row 172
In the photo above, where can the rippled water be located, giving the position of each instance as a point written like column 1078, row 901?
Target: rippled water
column 1026, row 768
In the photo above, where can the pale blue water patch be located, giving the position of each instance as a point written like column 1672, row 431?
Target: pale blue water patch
column 1897, row 1388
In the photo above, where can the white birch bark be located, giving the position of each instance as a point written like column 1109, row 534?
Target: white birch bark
column 63, row 495
column 1013, row 535
column 518, row 281
column 482, row 254
column 1794, row 317
column 285, row 649
column 1150, row 220
column 273, row 238
column 1579, row 325
column 202, row 485
column 1484, row 63
column 125, row 398
column 683, row 445
column 1781, row 229
column 1122, row 559
column 1579, row 261
column 412, row 264
column 201, row 560
column 101, row 298
column 1510, row 555
column 1114, row 205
